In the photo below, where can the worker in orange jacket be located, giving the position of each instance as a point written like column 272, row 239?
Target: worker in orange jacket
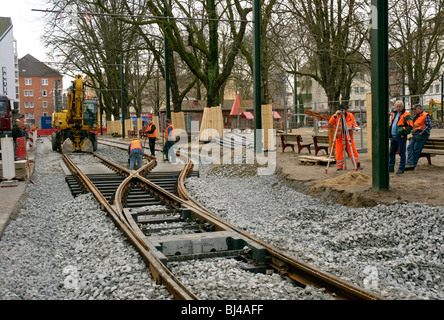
column 341, row 136
column 135, row 152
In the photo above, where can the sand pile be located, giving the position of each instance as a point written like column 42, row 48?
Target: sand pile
column 348, row 179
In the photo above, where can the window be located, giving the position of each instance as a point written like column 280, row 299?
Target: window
column 26, row 104
column 45, row 114
column 437, row 88
column 25, row 93
column 362, row 90
column 356, row 90
column 431, row 89
column 45, row 104
column 44, row 82
column 31, row 104
column 28, row 82
column 31, row 93
column 44, row 93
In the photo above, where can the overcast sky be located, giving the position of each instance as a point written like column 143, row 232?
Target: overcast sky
column 28, row 28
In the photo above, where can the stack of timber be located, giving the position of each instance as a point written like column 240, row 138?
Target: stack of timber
column 267, row 125
column 212, row 124
column 21, row 170
column 315, row 160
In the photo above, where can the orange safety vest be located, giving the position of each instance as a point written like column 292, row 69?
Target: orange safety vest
column 420, row 121
column 136, row 144
column 349, row 119
column 401, row 121
column 154, row 134
column 171, row 137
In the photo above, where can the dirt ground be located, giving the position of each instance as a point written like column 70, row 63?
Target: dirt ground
column 425, row 184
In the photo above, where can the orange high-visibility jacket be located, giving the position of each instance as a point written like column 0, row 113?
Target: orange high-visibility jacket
column 135, row 147
column 172, row 135
column 154, row 134
column 349, row 119
column 420, row 121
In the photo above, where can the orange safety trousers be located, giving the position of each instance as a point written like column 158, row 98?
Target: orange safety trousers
column 340, row 150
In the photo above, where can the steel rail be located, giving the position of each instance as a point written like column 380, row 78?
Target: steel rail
column 299, row 271
column 158, row 270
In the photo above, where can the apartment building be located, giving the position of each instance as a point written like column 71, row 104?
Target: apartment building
column 37, row 89
column 8, row 61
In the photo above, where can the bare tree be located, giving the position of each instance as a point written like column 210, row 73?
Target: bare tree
column 416, row 40
column 334, row 32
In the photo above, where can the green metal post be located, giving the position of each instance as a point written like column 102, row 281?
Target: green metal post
column 167, row 75
column 295, row 100
column 380, row 96
column 258, row 137
column 122, row 93
column 100, row 109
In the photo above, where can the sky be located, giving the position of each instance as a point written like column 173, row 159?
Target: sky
column 28, row 28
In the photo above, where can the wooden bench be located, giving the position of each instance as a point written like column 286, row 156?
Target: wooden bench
column 433, row 146
column 320, row 143
column 143, row 134
column 132, row 133
column 292, row 140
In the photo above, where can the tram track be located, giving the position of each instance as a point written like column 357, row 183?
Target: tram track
column 205, row 234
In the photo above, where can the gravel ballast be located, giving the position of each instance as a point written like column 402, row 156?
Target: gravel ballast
column 396, row 251
column 62, row 247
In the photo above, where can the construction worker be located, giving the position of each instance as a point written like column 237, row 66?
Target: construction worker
column 152, row 136
column 170, row 139
column 135, row 152
column 422, row 124
column 401, row 123
column 341, row 136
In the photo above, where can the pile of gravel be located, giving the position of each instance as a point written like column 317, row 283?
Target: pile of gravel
column 396, row 251
column 234, row 283
column 62, row 247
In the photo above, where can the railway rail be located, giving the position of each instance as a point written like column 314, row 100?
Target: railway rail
column 204, row 234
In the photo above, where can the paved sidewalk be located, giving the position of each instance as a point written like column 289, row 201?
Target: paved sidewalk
column 10, row 197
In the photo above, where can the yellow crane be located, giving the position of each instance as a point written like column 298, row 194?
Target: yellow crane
column 75, row 125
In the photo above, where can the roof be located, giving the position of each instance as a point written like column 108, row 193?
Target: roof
column 276, row 115
column 248, row 115
column 5, row 26
column 31, row 67
column 237, row 105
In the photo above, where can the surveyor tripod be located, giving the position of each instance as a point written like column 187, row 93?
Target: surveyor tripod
column 346, row 141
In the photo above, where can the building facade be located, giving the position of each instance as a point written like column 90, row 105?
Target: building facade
column 8, row 61
column 37, row 90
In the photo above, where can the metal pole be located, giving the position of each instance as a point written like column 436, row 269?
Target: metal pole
column 285, row 106
column 442, row 98
column 295, row 99
column 167, row 74
column 258, row 143
column 361, row 124
column 100, row 109
column 380, row 96
column 56, row 95
column 122, row 91
column 315, row 120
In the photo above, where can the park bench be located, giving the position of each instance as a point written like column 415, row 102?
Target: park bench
column 292, row 140
column 132, row 133
column 143, row 134
column 432, row 147
column 320, row 143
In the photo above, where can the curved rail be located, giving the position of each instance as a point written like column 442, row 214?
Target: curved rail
column 159, row 271
column 287, row 266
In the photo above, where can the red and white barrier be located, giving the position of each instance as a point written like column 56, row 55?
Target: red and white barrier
column 32, row 139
